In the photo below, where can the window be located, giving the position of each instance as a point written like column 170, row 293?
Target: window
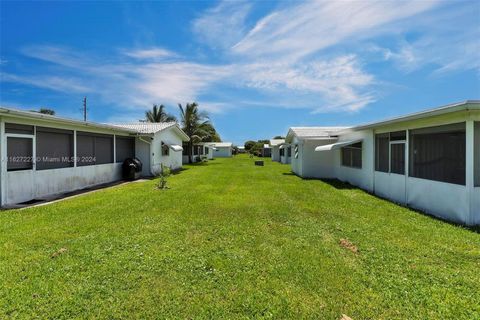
column 165, row 149
column 397, row 158
column 352, row 155
column 289, row 151
column 54, row 148
column 476, row 151
column 94, row 149
column 438, row 153
column 296, row 151
column 390, row 152
column 282, row 152
column 19, row 153
column 124, row 148
column 18, row 128
column 382, row 144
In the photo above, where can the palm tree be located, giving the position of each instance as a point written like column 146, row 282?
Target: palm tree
column 212, row 134
column 195, row 124
column 158, row 114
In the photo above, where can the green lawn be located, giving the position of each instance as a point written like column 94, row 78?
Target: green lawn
column 232, row 240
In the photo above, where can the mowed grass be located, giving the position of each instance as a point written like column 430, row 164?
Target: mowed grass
column 233, row 240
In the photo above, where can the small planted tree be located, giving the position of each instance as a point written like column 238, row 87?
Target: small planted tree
column 164, row 174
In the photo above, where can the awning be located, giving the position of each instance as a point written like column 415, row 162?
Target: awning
column 281, row 147
column 175, row 147
column 337, row 145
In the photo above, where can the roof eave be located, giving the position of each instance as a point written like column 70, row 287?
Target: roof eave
column 450, row 108
column 40, row 116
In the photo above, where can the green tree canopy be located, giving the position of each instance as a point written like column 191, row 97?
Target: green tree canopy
column 47, row 111
column 158, row 114
column 195, row 124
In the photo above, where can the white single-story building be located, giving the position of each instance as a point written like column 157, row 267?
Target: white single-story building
column 157, row 144
column 200, row 151
column 428, row 160
column 221, row 149
column 266, row 151
column 305, row 161
column 285, row 153
column 43, row 155
column 275, row 144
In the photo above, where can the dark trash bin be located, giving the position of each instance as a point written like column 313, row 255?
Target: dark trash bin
column 259, row 163
column 132, row 168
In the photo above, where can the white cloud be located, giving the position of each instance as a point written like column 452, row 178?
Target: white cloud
column 126, row 83
column 151, row 53
column 223, row 25
column 63, row 84
column 295, row 32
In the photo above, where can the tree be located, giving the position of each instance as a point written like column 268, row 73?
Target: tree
column 158, row 114
column 278, row 137
column 212, row 134
column 47, row 111
column 249, row 145
column 195, row 124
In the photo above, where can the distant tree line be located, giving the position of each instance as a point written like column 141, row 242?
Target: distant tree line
column 255, row 147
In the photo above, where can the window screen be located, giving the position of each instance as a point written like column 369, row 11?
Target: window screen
column 18, row 128
column 19, row 153
column 94, row 149
column 398, row 136
column 103, row 149
column 438, row 153
column 195, row 150
column 185, row 149
column 124, row 148
column 54, row 148
column 352, row 155
column 397, row 158
column 382, row 142
column 282, row 152
column 289, row 151
column 476, row 150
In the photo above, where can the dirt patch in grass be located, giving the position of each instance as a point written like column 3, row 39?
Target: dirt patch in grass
column 348, row 245
column 59, row 252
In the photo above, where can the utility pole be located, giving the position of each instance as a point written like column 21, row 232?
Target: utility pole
column 85, row 109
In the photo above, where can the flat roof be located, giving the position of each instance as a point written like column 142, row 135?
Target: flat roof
column 449, row 108
column 40, row 116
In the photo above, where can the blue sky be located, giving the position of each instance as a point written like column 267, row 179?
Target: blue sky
column 256, row 67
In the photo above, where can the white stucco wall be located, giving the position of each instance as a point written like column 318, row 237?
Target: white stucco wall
column 444, row 200
column 363, row 177
column 222, row 152
column 391, row 186
column 275, row 153
column 475, row 213
column 316, row 164
column 28, row 184
column 174, row 159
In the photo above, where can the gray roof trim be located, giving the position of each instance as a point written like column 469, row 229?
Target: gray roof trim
column 466, row 105
column 40, row 116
